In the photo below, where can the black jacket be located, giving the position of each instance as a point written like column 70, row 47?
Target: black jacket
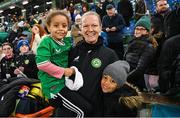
column 125, row 8
column 28, row 62
column 169, row 53
column 158, row 21
column 114, row 108
column 9, row 94
column 140, row 53
column 115, row 21
column 7, row 67
column 91, row 59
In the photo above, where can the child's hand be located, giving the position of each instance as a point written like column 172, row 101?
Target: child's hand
column 68, row 72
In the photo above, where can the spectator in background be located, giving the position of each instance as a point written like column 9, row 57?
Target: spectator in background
column 15, row 42
column 162, row 9
column 140, row 52
column 1, row 52
column 8, row 61
column 104, row 5
column 85, row 6
column 84, row 9
column 168, row 69
column 125, row 8
column 25, row 61
column 76, row 30
column 32, row 20
column 2, row 28
column 71, row 10
column 113, row 24
column 98, row 8
column 27, row 30
column 14, row 32
column 38, row 32
column 140, row 9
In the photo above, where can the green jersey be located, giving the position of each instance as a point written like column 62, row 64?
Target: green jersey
column 56, row 52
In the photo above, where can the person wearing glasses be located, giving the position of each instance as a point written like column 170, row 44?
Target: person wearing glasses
column 140, row 52
column 7, row 62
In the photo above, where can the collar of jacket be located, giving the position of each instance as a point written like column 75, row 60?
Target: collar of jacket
column 86, row 46
column 142, row 38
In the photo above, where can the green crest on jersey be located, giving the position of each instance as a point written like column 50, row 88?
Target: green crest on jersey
column 96, row 63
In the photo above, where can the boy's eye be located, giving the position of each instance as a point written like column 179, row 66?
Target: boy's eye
column 105, row 77
column 113, row 81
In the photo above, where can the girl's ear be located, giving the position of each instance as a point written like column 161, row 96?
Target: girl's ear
column 48, row 28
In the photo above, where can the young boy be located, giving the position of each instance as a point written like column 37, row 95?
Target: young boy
column 25, row 62
column 120, row 98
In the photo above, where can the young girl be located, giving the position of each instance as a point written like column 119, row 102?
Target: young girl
column 52, row 62
column 120, row 98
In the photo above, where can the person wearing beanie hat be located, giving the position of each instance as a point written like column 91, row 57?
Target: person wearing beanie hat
column 116, row 90
column 25, row 61
column 140, row 52
column 118, row 71
column 145, row 22
column 22, row 43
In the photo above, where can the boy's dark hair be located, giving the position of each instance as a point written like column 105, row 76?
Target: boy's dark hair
column 7, row 43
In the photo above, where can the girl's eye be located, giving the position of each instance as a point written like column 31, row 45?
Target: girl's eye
column 64, row 26
column 55, row 25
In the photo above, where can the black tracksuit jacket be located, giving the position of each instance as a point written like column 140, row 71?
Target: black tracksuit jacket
column 91, row 59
